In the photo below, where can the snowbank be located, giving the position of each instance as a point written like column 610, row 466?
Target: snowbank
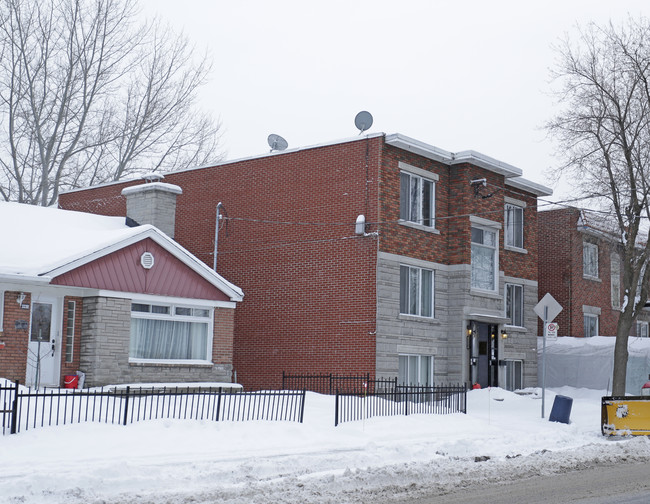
column 500, row 439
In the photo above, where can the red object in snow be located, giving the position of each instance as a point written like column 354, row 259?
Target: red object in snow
column 645, row 390
column 71, row 381
column 476, row 386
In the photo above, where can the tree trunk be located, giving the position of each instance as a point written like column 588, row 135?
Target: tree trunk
column 620, row 353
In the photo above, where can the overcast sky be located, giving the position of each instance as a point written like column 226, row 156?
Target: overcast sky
column 461, row 75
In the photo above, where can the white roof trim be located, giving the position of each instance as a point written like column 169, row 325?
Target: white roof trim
column 529, row 186
column 450, row 158
column 148, row 231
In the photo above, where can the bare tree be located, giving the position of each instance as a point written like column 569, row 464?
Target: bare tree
column 604, row 134
column 90, row 95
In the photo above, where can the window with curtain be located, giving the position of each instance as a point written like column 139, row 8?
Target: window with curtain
column 417, row 199
column 416, row 291
column 590, row 260
column 514, row 226
column 591, row 325
column 170, row 333
column 515, row 304
column 415, row 370
column 484, row 259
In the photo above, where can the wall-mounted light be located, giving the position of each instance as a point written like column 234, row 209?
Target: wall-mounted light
column 469, row 330
column 21, row 298
column 504, row 334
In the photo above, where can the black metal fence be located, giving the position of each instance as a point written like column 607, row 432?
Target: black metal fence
column 330, row 383
column 401, row 400
column 24, row 409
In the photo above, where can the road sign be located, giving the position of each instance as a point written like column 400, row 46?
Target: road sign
column 548, row 308
column 551, row 330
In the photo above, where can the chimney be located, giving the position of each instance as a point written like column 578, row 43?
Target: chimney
column 153, row 203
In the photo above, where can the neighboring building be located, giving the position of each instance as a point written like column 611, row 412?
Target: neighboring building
column 371, row 255
column 580, row 265
column 81, row 292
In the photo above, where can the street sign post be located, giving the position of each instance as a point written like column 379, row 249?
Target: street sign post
column 547, row 309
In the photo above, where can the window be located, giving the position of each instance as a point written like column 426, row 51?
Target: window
column 417, row 199
column 513, row 374
column 615, row 276
column 514, row 226
column 591, row 325
column 515, row 304
column 416, row 291
column 415, row 370
column 69, row 332
column 2, row 307
column 590, row 260
column 176, row 333
column 484, row 259
column 642, row 329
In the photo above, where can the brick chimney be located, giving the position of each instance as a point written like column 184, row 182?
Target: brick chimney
column 153, row 203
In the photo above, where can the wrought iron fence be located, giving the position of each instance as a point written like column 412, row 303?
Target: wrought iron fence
column 401, row 400
column 330, row 383
column 24, row 409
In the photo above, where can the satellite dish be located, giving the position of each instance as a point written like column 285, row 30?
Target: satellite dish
column 363, row 121
column 276, row 142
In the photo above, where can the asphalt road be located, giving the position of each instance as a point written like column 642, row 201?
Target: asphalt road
column 622, row 483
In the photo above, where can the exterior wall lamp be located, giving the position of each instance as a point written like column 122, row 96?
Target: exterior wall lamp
column 504, row 334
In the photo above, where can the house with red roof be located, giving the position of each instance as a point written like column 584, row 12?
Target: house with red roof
column 119, row 303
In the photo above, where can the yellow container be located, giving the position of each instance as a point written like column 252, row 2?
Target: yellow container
column 625, row 416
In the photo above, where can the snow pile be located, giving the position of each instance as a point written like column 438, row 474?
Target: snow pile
column 502, row 437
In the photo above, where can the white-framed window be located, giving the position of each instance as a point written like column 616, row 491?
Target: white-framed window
column 591, row 324
column 515, row 304
column 417, row 199
column 513, row 219
column 416, row 291
column 415, row 370
column 69, row 331
column 484, row 258
column 615, row 277
column 590, row 260
column 513, row 374
column 642, row 329
column 162, row 332
column 2, row 309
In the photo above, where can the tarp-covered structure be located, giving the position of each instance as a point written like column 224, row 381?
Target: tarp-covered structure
column 589, row 362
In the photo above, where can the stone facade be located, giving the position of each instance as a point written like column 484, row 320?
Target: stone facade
column 105, row 349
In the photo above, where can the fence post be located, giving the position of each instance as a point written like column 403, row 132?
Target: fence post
column 302, row 406
column 14, row 410
column 336, row 408
column 406, row 403
column 219, row 403
column 126, row 404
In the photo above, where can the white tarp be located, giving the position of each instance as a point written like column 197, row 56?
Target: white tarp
column 589, row 362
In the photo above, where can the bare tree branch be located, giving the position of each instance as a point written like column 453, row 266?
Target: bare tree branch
column 604, row 132
column 88, row 95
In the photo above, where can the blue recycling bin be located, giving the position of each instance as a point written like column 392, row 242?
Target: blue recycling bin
column 561, row 409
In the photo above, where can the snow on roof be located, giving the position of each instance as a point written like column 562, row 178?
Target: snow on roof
column 39, row 239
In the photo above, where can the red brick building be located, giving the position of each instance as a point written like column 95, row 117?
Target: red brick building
column 88, row 293
column 580, row 265
column 380, row 254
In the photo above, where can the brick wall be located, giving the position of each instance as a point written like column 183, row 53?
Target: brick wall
column 288, row 241
column 561, row 272
column 13, row 357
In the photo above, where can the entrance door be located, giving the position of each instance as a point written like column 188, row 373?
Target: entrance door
column 484, row 359
column 43, row 358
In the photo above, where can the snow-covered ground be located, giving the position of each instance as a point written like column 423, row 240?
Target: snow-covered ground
column 377, row 460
